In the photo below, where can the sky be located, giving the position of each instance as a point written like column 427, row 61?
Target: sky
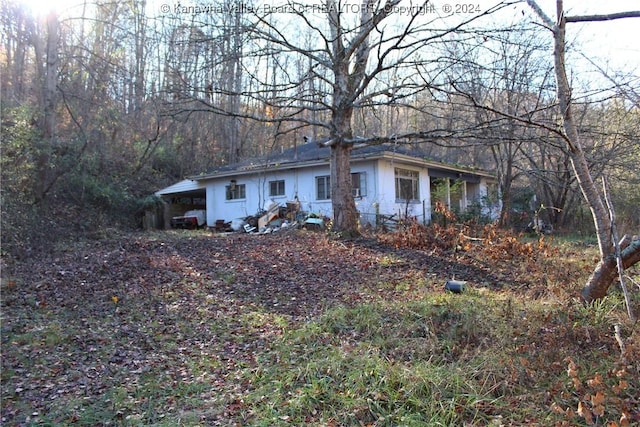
column 615, row 43
column 613, row 46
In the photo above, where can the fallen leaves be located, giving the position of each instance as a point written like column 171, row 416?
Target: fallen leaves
column 139, row 329
column 585, row 412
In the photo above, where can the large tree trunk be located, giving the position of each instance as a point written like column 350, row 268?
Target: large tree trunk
column 345, row 214
column 350, row 57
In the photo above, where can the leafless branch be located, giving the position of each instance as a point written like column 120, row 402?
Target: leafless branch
column 538, row 10
column 597, row 18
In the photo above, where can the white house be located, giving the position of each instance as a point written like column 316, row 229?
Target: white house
column 387, row 179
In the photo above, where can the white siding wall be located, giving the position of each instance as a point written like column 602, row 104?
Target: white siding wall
column 492, row 211
column 380, row 192
column 386, row 197
column 300, row 183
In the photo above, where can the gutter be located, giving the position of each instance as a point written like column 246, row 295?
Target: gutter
column 251, row 169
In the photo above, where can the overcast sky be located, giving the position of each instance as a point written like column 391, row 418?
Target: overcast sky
column 617, row 41
column 613, row 46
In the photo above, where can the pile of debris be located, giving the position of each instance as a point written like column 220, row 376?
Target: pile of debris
column 274, row 218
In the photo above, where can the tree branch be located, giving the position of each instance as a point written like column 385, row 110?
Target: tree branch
column 524, row 120
column 596, row 18
column 614, row 232
column 545, row 18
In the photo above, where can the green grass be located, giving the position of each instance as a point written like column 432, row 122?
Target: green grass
column 374, row 363
column 405, row 353
column 445, row 360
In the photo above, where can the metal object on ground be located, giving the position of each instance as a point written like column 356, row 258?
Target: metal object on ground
column 455, row 286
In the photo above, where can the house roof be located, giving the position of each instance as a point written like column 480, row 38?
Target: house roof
column 312, row 153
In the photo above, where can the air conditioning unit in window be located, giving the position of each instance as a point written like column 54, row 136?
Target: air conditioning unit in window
column 356, row 192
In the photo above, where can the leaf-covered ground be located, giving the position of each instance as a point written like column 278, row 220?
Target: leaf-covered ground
column 180, row 327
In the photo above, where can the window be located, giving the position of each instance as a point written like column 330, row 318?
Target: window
column 493, row 194
column 323, row 187
column 457, row 195
column 359, row 184
column 406, row 184
column 236, row 191
column 276, row 188
column 439, row 191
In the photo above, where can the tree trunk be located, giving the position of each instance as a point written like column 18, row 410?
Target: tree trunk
column 49, row 108
column 576, row 152
column 140, row 54
column 606, row 272
column 600, row 280
column 349, row 63
column 345, row 214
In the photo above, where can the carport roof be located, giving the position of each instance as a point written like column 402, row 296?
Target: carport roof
column 186, row 187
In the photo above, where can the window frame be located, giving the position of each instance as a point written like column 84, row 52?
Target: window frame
column 413, row 177
column 278, row 183
column 326, row 184
column 361, row 177
column 235, row 192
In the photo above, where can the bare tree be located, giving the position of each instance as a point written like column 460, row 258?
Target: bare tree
column 606, row 271
column 17, row 38
column 505, row 73
column 363, row 58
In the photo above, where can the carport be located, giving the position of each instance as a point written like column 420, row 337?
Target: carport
column 180, row 197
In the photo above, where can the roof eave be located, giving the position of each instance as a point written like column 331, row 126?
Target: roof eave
column 387, row 155
column 260, row 169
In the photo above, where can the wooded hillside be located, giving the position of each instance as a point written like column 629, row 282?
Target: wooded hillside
column 105, row 102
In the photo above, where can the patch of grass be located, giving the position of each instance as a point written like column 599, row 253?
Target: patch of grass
column 227, row 277
column 475, row 359
column 351, row 386
column 150, row 400
column 390, row 261
column 383, row 363
column 191, row 343
column 260, row 319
